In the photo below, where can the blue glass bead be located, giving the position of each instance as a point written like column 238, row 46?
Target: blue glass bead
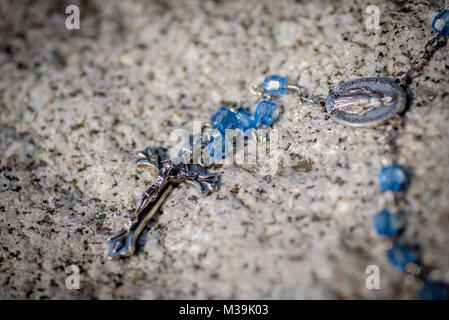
column 392, row 178
column 401, row 255
column 434, row 290
column 245, row 119
column 275, row 85
column 266, row 113
column 219, row 147
column 224, row 119
column 386, row 224
column 441, row 23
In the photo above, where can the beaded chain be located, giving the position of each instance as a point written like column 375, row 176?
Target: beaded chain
column 392, row 178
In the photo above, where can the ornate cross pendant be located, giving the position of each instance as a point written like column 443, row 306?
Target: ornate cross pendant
column 123, row 243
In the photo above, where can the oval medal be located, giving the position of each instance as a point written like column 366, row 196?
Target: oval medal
column 365, row 101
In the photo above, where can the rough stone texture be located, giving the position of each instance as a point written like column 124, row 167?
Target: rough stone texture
column 75, row 105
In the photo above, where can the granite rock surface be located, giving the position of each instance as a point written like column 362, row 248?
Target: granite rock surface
column 76, row 104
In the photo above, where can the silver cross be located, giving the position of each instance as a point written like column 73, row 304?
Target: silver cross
column 123, row 243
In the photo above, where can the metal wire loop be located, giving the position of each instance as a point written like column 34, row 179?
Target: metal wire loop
column 420, row 60
column 257, row 90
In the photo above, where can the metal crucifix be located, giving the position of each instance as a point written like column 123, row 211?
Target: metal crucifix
column 123, row 243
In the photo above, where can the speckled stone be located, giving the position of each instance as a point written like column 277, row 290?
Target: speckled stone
column 75, row 105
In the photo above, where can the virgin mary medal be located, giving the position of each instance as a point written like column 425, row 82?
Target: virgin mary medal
column 365, row 101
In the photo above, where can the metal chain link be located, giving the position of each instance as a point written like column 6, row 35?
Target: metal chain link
column 432, row 45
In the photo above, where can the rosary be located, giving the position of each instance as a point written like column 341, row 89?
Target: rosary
column 359, row 103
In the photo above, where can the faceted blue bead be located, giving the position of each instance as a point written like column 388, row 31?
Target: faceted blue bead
column 224, row 119
column 266, row 113
column 441, row 23
column 219, row 147
column 245, row 119
column 434, row 290
column 275, row 85
column 392, row 178
column 401, row 255
column 386, row 224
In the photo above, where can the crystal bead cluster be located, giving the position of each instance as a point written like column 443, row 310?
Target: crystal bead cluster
column 225, row 119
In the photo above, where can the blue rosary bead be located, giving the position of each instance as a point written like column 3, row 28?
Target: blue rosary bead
column 224, row 119
column 266, row 113
column 434, row 290
column 401, row 255
column 441, row 23
column 392, row 178
column 275, row 85
column 219, row 147
column 245, row 119
column 386, row 224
